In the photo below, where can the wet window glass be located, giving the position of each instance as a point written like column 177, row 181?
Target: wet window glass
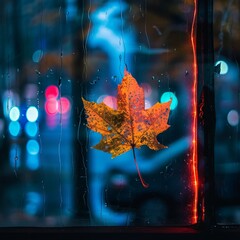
column 227, row 175
column 98, row 113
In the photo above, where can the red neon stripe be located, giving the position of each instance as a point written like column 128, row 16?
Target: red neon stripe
column 194, row 161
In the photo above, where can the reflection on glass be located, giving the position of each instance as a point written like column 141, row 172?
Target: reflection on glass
column 58, row 52
column 227, row 145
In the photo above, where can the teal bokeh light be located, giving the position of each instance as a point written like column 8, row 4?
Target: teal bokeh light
column 167, row 96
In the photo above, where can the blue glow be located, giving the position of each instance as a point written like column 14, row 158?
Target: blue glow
column 33, row 203
column 71, row 9
column 107, row 33
column 32, row 147
column 37, row 56
column 15, row 156
column 14, row 114
column 32, row 114
column 32, row 161
column 31, row 129
column 223, row 67
column 14, row 128
column 167, row 96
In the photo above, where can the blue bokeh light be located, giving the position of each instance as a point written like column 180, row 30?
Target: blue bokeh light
column 223, row 67
column 32, row 161
column 33, row 203
column 32, row 114
column 14, row 128
column 31, row 129
column 32, row 147
column 14, row 114
column 167, row 96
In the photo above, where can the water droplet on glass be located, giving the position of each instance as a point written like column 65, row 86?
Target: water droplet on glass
column 114, row 78
column 153, row 77
column 60, row 81
column 93, row 82
column 38, row 72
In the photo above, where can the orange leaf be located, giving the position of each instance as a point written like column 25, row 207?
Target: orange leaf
column 131, row 125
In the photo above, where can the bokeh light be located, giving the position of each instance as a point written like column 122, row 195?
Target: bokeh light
column 167, row 96
column 14, row 114
column 51, row 92
column 32, row 147
column 31, row 129
column 32, row 114
column 51, row 106
column 33, row 203
column 14, row 128
column 64, row 105
column 110, row 101
column 32, row 161
column 223, row 67
column 233, row 118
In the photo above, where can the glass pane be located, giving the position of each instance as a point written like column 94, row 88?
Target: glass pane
column 227, row 85
column 53, row 54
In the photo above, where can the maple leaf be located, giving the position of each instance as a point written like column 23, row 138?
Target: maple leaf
column 130, row 126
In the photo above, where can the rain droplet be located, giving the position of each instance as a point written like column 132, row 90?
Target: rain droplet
column 109, row 128
column 93, row 82
column 60, row 81
column 98, row 70
column 114, row 78
column 37, row 72
column 186, row 73
column 153, row 77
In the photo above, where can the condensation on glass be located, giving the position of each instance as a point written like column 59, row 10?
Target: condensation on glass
column 52, row 54
column 227, row 87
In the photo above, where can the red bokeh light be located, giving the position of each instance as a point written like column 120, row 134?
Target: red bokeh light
column 64, row 105
column 51, row 92
column 51, row 106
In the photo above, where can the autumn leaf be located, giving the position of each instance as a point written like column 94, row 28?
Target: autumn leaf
column 130, row 126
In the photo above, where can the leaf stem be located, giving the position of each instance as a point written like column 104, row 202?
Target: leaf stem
column 146, row 185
